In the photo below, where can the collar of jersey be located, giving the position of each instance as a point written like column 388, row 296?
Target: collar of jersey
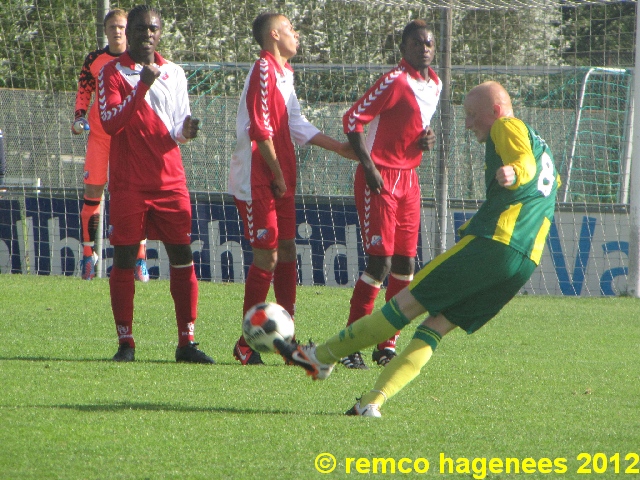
column 416, row 74
column 127, row 61
column 268, row 56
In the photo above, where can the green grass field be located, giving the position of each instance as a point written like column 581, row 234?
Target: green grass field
column 549, row 378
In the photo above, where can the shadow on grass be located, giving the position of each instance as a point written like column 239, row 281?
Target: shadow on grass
column 232, row 363
column 58, row 359
column 165, row 407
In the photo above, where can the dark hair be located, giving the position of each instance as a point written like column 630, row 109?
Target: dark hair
column 412, row 26
column 261, row 25
column 140, row 10
column 116, row 12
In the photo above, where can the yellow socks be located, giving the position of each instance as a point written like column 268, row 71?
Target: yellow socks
column 367, row 331
column 403, row 368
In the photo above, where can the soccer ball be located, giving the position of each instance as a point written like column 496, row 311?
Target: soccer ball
column 264, row 323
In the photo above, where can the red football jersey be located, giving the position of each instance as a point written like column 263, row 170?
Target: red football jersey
column 145, row 125
column 268, row 108
column 398, row 108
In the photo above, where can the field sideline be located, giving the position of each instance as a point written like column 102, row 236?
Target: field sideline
column 549, row 378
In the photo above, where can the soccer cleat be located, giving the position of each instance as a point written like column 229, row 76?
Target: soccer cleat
column 140, row 271
column 246, row 356
column 190, row 353
column 370, row 410
column 304, row 356
column 125, row 353
column 354, row 361
column 384, row 356
column 88, row 266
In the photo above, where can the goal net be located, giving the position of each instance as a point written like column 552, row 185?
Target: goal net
column 567, row 64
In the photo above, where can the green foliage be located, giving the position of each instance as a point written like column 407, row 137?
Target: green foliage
column 549, row 377
column 600, row 35
column 43, row 44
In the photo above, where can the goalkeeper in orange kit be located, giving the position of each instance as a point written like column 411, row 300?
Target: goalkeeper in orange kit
column 96, row 164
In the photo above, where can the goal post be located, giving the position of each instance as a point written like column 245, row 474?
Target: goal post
column 633, row 280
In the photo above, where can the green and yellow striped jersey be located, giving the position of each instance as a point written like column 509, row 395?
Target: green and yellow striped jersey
column 520, row 215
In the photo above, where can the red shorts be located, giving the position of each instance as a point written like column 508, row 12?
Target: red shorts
column 389, row 221
column 163, row 215
column 267, row 220
column 96, row 162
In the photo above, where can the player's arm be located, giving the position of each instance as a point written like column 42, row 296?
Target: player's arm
column 343, row 149
column 511, row 139
column 116, row 111
column 86, row 86
column 186, row 126
column 371, row 173
column 377, row 99
column 261, row 126
column 268, row 152
column 304, row 132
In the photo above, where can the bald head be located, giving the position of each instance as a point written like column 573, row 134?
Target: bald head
column 492, row 93
column 483, row 105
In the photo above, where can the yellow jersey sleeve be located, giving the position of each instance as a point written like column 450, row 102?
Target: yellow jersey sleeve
column 511, row 139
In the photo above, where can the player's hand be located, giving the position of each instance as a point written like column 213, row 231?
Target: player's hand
column 190, row 127
column 149, row 74
column 374, row 179
column 506, row 176
column 427, row 139
column 79, row 125
column 278, row 187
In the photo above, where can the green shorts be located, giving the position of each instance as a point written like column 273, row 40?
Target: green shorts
column 471, row 282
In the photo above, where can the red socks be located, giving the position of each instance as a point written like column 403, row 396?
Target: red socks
column 285, row 281
column 256, row 287
column 142, row 250
column 183, row 285
column 123, row 288
column 362, row 300
column 394, row 285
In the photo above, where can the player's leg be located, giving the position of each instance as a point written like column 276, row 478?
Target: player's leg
column 169, row 220
column 494, row 275
column 261, row 229
column 400, row 277
column 90, row 218
column 127, row 223
column 407, row 227
column 363, row 300
column 122, row 290
column 395, row 315
column 406, row 366
column 94, row 177
column 376, row 215
column 140, row 271
column 319, row 360
column 285, row 275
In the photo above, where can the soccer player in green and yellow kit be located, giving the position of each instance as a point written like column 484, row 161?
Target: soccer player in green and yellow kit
column 466, row 286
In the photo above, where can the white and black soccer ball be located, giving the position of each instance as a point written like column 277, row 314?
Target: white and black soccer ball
column 265, row 322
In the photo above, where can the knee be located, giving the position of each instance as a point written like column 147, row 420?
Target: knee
column 124, row 256
column 402, row 265
column 287, row 251
column 265, row 259
column 178, row 254
column 378, row 267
